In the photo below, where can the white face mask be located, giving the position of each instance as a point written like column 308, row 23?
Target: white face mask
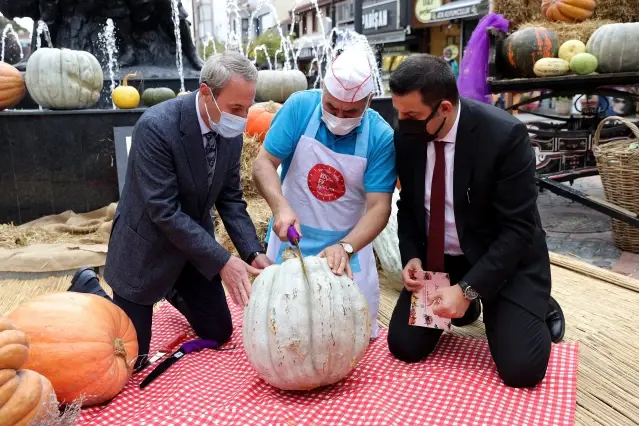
column 229, row 126
column 340, row 126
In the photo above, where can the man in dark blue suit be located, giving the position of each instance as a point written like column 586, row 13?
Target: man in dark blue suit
column 184, row 159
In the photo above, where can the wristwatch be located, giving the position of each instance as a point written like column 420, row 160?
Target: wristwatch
column 251, row 257
column 347, row 248
column 469, row 292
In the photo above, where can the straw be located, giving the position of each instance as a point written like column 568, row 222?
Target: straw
column 569, row 31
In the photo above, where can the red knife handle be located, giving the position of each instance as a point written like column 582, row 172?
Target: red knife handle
column 173, row 342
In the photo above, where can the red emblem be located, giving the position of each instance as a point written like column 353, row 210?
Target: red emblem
column 326, row 183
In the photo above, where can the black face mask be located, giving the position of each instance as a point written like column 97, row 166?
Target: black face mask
column 417, row 128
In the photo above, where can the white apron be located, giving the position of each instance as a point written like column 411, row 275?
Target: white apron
column 326, row 191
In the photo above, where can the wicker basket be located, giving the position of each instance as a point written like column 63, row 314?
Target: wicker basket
column 618, row 164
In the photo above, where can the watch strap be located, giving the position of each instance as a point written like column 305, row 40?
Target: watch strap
column 251, row 257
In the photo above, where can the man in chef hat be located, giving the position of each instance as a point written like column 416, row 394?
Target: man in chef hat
column 337, row 173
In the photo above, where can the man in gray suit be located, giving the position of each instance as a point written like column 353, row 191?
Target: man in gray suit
column 185, row 158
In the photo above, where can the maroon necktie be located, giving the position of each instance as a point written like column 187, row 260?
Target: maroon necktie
column 436, row 221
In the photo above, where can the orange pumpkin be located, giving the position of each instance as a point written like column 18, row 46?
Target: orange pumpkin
column 14, row 346
column 24, row 394
column 567, row 10
column 398, row 185
column 259, row 119
column 12, row 87
column 84, row 344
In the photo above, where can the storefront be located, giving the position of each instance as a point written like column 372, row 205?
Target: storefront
column 465, row 15
column 383, row 27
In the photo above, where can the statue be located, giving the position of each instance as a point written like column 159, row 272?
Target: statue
column 144, row 30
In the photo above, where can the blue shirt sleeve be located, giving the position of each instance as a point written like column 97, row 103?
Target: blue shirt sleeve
column 380, row 174
column 283, row 134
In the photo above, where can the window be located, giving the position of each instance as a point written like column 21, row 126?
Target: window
column 257, row 25
column 345, row 11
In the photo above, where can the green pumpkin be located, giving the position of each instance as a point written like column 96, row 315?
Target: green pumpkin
column 155, row 95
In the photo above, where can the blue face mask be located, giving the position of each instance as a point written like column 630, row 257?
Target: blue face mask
column 229, row 126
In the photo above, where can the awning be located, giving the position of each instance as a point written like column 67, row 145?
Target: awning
column 460, row 10
column 386, row 38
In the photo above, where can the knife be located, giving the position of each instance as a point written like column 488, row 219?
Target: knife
column 167, row 347
column 188, row 347
column 294, row 239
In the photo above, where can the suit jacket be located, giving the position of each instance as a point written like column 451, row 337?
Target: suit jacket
column 163, row 219
column 494, row 197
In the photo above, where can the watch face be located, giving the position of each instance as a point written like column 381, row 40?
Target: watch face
column 347, row 248
column 469, row 293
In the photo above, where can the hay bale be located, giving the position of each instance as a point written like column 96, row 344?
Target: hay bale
column 260, row 214
column 518, row 11
column 617, row 10
column 249, row 152
column 565, row 31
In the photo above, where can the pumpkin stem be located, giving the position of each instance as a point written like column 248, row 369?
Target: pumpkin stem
column 120, row 350
column 125, row 82
column 270, row 107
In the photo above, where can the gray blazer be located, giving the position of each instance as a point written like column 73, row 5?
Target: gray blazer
column 163, row 219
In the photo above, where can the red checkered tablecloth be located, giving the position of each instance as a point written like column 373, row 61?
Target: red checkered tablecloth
column 457, row 385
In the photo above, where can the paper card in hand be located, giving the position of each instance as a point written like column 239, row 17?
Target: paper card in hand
column 420, row 313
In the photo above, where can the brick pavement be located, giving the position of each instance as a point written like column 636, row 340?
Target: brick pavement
column 574, row 229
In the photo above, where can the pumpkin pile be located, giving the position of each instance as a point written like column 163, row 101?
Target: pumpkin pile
column 84, row 344
column 536, row 52
column 24, row 394
column 299, row 335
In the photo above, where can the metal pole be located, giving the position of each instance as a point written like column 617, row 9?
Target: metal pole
column 358, row 16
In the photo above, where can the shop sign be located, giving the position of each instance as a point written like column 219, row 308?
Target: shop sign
column 423, row 9
column 456, row 13
column 379, row 16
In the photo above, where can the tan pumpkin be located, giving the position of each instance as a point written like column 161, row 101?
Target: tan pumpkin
column 12, row 87
column 84, row 344
column 14, row 346
column 24, row 394
column 568, row 10
column 277, row 86
column 259, row 119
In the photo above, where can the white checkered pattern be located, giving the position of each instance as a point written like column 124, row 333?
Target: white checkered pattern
column 457, row 385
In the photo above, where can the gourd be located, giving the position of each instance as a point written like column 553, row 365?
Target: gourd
column 523, row 48
column 12, row 88
column 583, row 64
column 277, row 86
column 570, row 48
column 567, row 10
column 83, row 343
column 14, row 346
column 259, row 119
column 386, row 244
column 24, row 394
column 184, row 93
column 616, row 48
column 551, row 67
column 299, row 335
column 64, row 78
column 155, row 95
column 125, row 96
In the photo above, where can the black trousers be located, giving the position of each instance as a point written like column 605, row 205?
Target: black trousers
column 202, row 302
column 518, row 340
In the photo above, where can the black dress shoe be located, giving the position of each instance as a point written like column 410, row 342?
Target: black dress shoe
column 555, row 321
column 85, row 280
column 471, row 315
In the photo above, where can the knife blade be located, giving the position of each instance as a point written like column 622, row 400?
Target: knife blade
column 294, row 238
column 188, row 347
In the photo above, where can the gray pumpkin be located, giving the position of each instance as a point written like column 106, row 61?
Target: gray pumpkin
column 64, row 78
column 616, row 47
column 277, row 86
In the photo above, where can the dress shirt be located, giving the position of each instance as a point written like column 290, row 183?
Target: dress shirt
column 451, row 240
column 203, row 127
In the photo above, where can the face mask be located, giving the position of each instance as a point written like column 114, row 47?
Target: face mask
column 229, row 126
column 340, row 126
column 410, row 127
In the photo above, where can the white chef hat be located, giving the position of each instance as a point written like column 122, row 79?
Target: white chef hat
column 350, row 77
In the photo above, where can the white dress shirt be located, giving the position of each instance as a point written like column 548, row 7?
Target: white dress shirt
column 451, row 239
column 203, row 127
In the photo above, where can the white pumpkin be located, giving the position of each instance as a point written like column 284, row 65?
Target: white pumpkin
column 63, row 78
column 300, row 337
column 277, row 86
column 386, row 245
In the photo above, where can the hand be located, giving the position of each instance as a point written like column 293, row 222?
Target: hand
column 284, row 219
column 338, row 260
column 261, row 262
column 449, row 302
column 236, row 280
column 408, row 277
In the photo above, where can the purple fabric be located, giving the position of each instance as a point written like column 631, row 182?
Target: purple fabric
column 474, row 66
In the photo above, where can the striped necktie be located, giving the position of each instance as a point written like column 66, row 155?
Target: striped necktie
column 211, row 153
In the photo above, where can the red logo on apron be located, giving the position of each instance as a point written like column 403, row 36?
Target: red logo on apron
column 326, row 183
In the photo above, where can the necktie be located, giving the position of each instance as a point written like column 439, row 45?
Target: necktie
column 436, row 222
column 211, row 153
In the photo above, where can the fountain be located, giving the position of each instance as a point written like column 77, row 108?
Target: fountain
column 108, row 42
column 8, row 30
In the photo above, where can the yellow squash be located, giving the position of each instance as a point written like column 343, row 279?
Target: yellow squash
column 125, row 96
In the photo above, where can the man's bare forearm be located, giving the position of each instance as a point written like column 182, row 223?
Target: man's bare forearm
column 371, row 224
column 268, row 182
